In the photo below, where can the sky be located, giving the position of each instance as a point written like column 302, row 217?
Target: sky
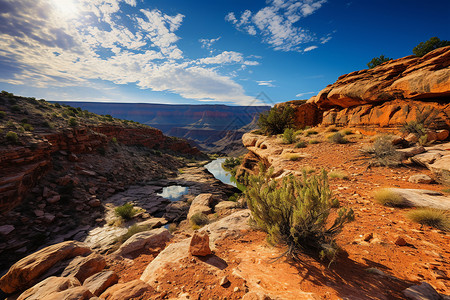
column 232, row 52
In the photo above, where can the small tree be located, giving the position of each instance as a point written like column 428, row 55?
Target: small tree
column 276, row 120
column 295, row 212
column 428, row 46
column 289, row 136
column 376, row 61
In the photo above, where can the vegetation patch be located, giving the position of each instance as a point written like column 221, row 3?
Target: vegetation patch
column 382, row 153
column 314, row 141
column 276, row 120
column 126, row 211
column 292, row 156
column 132, row 231
column 294, row 212
column 338, row 175
column 289, row 136
column 387, row 197
column 198, row 220
column 12, row 137
column 337, row 138
column 432, row 217
column 310, row 132
column 301, row 144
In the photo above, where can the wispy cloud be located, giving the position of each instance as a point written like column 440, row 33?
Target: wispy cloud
column 304, row 94
column 276, row 23
column 268, row 83
column 47, row 48
column 310, row 48
column 207, row 43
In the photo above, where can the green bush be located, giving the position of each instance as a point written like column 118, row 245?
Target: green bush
column 199, row 220
column 338, row 174
column 295, row 211
column 73, row 122
column 376, row 61
column 311, row 132
column 314, row 141
column 132, row 230
column 231, row 162
column 382, row 153
column 28, row 127
column 15, row 108
column 12, row 137
column 301, row 144
column 430, row 45
column 289, row 136
column 125, row 211
column 387, row 197
column 419, row 126
column 432, row 217
column 337, row 138
column 276, row 120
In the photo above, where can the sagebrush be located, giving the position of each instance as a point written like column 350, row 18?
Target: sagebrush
column 294, row 212
column 276, row 120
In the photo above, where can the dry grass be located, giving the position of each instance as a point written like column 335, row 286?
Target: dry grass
column 387, row 197
column 432, row 217
column 292, row 156
column 338, row 175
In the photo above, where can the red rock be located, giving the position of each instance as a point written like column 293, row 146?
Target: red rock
column 24, row 272
column 199, row 245
column 83, row 267
column 76, row 293
column 128, row 290
column 99, row 282
column 400, row 241
column 49, row 286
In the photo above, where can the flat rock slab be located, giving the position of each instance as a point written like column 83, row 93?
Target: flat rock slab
column 423, row 291
column 49, row 286
column 423, row 198
column 142, row 240
column 99, row 282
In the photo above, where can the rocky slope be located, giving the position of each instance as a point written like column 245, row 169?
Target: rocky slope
column 385, row 97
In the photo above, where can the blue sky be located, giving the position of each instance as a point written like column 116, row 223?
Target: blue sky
column 202, row 52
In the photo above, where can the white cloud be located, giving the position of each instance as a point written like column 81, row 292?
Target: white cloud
column 267, row 83
column 48, row 50
column 304, row 94
column 310, row 48
column 207, row 43
column 275, row 23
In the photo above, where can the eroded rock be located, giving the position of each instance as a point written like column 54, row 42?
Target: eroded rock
column 99, row 282
column 125, row 291
column 49, row 286
column 143, row 240
column 83, row 267
column 199, row 245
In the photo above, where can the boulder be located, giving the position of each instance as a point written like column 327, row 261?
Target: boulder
column 199, row 245
column 426, row 158
column 24, row 273
column 441, row 169
column 76, row 293
column 125, row 291
column 144, row 240
column 99, row 282
column 83, row 267
column 420, row 178
column 200, row 204
column 424, row 291
column 49, row 286
column 423, row 198
column 153, row 222
column 409, row 152
column 226, row 206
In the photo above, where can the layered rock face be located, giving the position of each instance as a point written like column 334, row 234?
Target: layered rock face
column 23, row 166
column 385, row 97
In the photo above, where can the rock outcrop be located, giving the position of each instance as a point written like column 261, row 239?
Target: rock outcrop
column 26, row 271
column 385, row 97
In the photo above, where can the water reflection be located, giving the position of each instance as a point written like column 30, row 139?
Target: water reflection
column 174, row 192
column 215, row 168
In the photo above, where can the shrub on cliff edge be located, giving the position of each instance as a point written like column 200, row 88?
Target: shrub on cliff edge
column 276, row 120
column 294, row 212
column 376, row 61
column 430, row 45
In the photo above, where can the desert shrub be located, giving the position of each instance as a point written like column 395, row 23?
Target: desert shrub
column 331, row 128
column 419, row 126
column 28, row 127
column 199, row 220
column 289, row 136
column 12, row 137
column 301, row 144
column 73, row 122
column 310, row 132
column 294, row 212
column 15, row 108
column 338, row 174
column 57, row 105
column 376, row 61
column 292, row 156
column 387, row 197
column 172, row 227
column 231, row 162
column 276, row 120
column 314, row 141
column 382, row 152
column 346, row 131
column 430, row 45
column 2, row 114
column 337, row 138
column 126, row 211
column 308, row 169
column 446, row 191
column 432, row 217
column 114, row 140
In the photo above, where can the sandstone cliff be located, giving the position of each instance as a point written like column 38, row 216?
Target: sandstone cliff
column 385, row 97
